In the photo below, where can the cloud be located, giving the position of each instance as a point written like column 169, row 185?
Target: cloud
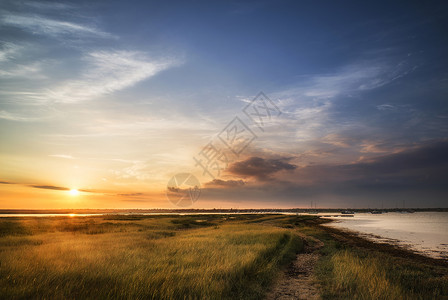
column 225, row 183
column 427, row 156
column 355, row 77
column 50, row 187
column 326, row 107
column 385, row 107
column 37, row 186
column 31, row 70
column 131, row 194
column 45, row 26
column 417, row 167
column 374, row 147
column 139, row 170
column 62, row 156
column 336, row 140
column 15, row 117
column 260, row 168
column 100, row 72
column 405, row 176
column 10, row 55
column 48, row 6
column 8, row 50
column 92, row 191
column 107, row 72
column 136, row 200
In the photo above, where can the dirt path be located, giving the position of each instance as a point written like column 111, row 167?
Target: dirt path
column 298, row 281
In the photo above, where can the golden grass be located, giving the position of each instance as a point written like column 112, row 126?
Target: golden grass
column 193, row 257
column 151, row 258
column 365, row 278
column 365, row 272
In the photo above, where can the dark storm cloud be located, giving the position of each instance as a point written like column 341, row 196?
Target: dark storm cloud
column 260, row 168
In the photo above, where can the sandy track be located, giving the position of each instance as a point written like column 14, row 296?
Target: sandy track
column 298, row 280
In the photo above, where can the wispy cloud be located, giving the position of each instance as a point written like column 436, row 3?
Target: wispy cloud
column 385, row 107
column 47, row 6
column 108, row 72
column 45, row 26
column 10, row 54
column 314, row 107
column 7, row 50
column 62, row 156
column 15, row 117
column 31, row 70
column 138, row 170
column 355, row 77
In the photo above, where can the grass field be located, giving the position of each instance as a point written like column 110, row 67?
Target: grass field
column 141, row 257
column 194, row 257
column 354, row 268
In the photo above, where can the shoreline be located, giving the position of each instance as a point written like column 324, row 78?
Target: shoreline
column 314, row 211
column 355, row 239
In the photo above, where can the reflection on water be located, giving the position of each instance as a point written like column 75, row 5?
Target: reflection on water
column 423, row 232
column 138, row 214
column 48, row 215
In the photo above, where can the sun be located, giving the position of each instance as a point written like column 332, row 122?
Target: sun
column 74, row 192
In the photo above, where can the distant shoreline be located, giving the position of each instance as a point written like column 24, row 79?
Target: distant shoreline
column 354, row 239
column 231, row 210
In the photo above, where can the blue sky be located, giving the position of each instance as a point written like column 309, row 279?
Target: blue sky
column 115, row 97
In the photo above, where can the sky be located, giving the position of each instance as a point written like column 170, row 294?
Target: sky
column 223, row 104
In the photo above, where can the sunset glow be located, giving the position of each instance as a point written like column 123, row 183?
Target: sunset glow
column 332, row 112
column 74, row 192
column 229, row 149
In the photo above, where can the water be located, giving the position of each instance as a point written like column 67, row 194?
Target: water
column 422, row 232
column 37, row 215
column 47, row 215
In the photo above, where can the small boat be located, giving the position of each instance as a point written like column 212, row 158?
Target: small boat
column 376, row 212
column 347, row 212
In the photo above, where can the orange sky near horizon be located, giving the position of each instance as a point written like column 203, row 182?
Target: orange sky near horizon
column 330, row 105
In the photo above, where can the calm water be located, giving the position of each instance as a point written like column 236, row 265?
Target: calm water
column 37, row 215
column 423, row 232
column 47, row 215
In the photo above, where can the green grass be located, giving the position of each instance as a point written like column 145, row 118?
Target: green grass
column 179, row 257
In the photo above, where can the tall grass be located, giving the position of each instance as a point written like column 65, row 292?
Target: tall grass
column 365, row 278
column 151, row 258
column 194, row 257
column 351, row 272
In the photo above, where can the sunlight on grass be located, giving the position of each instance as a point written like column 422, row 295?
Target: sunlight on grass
column 148, row 258
column 366, row 278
